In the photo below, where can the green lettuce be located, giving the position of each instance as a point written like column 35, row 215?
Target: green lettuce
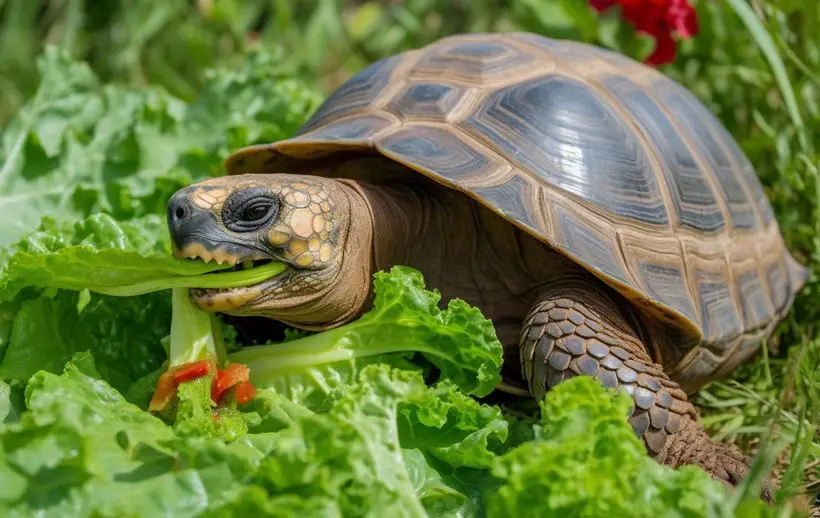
column 586, row 461
column 385, row 444
column 80, row 147
column 100, row 455
column 405, row 319
column 123, row 334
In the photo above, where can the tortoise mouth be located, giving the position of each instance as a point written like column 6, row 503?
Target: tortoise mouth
column 239, row 299
column 231, row 298
column 225, row 299
column 242, row 265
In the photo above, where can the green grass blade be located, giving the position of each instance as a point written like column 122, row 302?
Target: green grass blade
column 768, row 47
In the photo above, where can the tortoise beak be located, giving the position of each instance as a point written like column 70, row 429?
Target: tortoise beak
column 188, row 223
column 196, row 233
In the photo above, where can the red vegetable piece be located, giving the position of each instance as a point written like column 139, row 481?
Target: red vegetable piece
column 166, row 388
column 244, row 392
column 232, row 374
column 191, row 371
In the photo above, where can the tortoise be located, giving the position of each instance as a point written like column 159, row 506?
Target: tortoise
column 591, row 207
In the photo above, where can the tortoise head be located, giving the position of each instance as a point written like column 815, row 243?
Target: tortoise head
column 303, row 221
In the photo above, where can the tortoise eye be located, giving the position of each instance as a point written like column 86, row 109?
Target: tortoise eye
column 257, row 211
column 248, row 210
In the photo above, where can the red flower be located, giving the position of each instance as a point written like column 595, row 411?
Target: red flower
column 658, row 18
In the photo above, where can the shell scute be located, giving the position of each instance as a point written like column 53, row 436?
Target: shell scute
column 754, row 302
column 350, row 128
column 515, row 197
column 779, row 283
column 698, row 126
column 720, row 316
column 432, row 101
column 561, row 131
column 472, row 60
column 437, row 150
column 356, row 94
column 695, row 204
column 582, row 238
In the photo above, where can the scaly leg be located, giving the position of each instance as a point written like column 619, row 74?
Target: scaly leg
column 579, row 328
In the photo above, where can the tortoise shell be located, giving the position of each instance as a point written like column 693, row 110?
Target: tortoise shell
column 598, row 156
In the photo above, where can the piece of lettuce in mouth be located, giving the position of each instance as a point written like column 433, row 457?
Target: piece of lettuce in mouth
column 123, row 259
column 405, row 320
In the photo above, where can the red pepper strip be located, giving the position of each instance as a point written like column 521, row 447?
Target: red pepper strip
column 191, row 371
column 166, row 388
column 232, row 374
column 244, row 392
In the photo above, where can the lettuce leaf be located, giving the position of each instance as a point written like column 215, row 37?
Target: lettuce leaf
column 123, row 334
column 95, row 253
column 586, row 461
column 452, row 427
column 82, row 450
column 80, row 147
column 352, row 454
column 385, row 444
column 65, row 153
column 405, row 319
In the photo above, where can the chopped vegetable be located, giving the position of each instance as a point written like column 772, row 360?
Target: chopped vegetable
column 244, row 392
column 191, row 371
column 233, row 374
column 165, row 392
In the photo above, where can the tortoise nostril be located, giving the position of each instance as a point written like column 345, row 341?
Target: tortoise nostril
column 180, row 213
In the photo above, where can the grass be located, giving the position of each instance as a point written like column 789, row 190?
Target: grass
column 754, row 63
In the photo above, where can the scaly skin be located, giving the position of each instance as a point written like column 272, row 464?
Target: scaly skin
column 554, row 320
column 579, row 328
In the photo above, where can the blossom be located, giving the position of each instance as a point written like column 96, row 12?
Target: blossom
column 658, row 18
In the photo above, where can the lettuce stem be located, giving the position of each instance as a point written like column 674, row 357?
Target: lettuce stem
column 235, row 279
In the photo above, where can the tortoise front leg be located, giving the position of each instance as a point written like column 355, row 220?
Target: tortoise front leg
column 578, row 328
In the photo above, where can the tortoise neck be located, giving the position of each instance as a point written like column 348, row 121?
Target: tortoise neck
column 411, row 223
column 395, row 218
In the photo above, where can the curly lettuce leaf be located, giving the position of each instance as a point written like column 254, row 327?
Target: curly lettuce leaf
column 385, row 444
column 586, row 461
column 63, row 154
column 82, row 450
column 352, row 454
column 453, row 427
column 259, row 103
column 405, row 320
column 75, row 433
column 122, row 333
column 195, row 416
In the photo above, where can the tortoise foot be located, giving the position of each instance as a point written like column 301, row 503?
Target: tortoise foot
column 577, row 329
column 724, row 462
